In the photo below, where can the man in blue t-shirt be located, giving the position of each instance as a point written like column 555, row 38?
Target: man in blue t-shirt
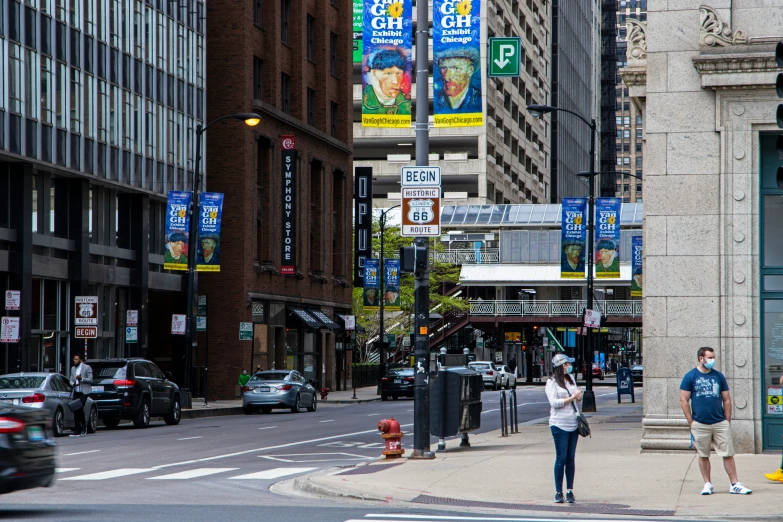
column 706, row 403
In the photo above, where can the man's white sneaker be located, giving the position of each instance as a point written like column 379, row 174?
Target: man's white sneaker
column 738, row 489
column 708, row 489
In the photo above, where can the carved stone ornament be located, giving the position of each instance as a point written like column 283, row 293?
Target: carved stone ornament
column 637, row 39
column 715, row 32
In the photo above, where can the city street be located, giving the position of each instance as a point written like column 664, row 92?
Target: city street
column 216, row 468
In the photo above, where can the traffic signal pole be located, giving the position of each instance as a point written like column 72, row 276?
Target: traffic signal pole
column 421, row 382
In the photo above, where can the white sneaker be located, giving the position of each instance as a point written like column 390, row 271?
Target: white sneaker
column 708, row 489
column 738, row 489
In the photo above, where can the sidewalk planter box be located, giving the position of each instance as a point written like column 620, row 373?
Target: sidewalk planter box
column 455, row 402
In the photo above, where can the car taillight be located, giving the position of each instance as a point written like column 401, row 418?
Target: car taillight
column 385, row 379
column 124, row 383
column 490, row 372
column 248, row 388
column 411, row 379
column 284, row 387
column 9, row 425
column 38, row 397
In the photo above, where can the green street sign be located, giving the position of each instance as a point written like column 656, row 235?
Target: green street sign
column 245, row 331
column 505, row 56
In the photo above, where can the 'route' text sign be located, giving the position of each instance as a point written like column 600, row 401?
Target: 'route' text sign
column 420, row 211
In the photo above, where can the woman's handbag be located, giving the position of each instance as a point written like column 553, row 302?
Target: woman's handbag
column 582, row 427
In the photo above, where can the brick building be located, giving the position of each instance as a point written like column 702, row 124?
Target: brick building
column 290, row 62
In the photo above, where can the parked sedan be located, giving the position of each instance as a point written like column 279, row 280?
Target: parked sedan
column 638, row 373
column 598, row 372
column 46, row 391
column 27, row 454
column 273, row 389
column 397, row 383
column 489, row 373
column 507, row 377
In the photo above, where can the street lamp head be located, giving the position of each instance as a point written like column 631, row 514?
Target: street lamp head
column 537, row 111
column 251, row 119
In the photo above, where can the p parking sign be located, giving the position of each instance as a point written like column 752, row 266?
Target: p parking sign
column 504, row 56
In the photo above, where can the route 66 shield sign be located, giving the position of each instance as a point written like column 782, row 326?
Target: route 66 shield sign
column 420, row 211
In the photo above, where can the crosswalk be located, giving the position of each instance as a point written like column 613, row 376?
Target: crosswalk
column 71, row 474
column 391, row 517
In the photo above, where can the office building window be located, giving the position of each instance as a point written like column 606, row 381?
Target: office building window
column 31, row 85
column 258, row 78
column 310, row 38
column 89, row 120
column 285, row 92
column 333, row 119
column 285, row 17
column 76, row 101
column 333, row 54
column 15, row 78
column 46, row 86
column 310, row 107
column 103, row 109
column 257, row 11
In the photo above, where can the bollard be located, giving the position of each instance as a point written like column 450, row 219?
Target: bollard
column 514, row 413
column 509, row 416
column 503, row 425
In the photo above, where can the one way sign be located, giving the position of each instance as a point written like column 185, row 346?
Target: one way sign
column 504, row 56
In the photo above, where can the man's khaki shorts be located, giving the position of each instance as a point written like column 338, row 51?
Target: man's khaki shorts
column 707, row 435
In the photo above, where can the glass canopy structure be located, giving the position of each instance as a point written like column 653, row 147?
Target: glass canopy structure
column 631, row 214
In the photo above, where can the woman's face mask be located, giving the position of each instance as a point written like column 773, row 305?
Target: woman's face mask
column 569, row 368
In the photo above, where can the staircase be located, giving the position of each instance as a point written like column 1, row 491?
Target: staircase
column 449, row 325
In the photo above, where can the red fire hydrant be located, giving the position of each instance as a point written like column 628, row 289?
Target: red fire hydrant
column 324, row 393
column 390, row 432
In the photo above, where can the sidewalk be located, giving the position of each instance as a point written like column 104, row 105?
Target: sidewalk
column 234, row 407
column 514, row 474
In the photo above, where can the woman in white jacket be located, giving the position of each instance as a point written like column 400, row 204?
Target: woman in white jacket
column 563, row 394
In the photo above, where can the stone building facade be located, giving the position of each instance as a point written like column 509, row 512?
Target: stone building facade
column 703, row 76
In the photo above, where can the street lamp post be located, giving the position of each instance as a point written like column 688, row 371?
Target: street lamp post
column 382, row 295
column 191, row 339
column 537, row 111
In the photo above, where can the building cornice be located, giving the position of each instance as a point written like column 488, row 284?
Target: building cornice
column 737, row 67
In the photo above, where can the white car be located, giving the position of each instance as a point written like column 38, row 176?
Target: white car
column 507, row 377
column 490, row 374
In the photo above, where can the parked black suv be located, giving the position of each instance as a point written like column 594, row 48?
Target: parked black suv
column 133, row 389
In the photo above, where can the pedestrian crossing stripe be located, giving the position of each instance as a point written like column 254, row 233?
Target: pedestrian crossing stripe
column 193, row 473
column 268, row 474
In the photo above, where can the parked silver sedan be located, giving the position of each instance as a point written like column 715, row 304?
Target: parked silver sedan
column 272, row 389
column 46, row 391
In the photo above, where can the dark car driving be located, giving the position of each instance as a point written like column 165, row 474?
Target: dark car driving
column 397, row 383
column 27, row 452
column 133, row 389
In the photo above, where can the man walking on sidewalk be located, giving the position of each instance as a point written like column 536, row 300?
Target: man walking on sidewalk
column 709, row 416
column 81, row 380
column 778, row 475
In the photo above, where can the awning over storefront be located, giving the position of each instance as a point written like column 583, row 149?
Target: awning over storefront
column 324, row 319
column 529, row 274
column 306, row 318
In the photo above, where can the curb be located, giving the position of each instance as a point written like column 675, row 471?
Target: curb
column 348, row 401
column 202, row 413
column 305, row 486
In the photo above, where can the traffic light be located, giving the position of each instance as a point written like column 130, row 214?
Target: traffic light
column 413, row 259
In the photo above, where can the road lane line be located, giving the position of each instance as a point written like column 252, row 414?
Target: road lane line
column 330, row 420
column 81, row 453
column 267, row 428
column 192, row 473
column 385, row 517
column 115, row 473
column 373, row 414
column 272, row 474
column 191, row 438
column 65, row 470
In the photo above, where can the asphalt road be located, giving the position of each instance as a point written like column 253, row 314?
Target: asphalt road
column 221, row 468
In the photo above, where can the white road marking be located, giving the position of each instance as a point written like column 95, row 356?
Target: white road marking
column 192, row 473
column 410, row 410
column 65, row 470
column 386, row 517
column 330, row 420
column 373, row 414
column 267, row 428
column 347, row 456
column 490, row 411
column 103, row 475
column 272, row 474
column 191, row 438
column 81, row 453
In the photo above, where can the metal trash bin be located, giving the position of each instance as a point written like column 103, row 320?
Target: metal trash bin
column 455, row 402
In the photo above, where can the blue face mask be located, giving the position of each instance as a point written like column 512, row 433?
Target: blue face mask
column 709, row 363
column 570, row 369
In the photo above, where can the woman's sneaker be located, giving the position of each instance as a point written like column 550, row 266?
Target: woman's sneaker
column 738, row 489
column 570, row 497
column 559, row 497
column 708, row 489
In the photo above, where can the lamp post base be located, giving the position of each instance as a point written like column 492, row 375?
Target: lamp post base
column 588, row 401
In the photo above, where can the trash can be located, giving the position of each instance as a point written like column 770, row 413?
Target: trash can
column 455, row 402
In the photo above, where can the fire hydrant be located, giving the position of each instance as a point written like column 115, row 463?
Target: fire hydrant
column 324, row 393
column 390, row 432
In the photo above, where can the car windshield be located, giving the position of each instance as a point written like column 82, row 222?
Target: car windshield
column 480, row 366
column 108, row 370
column 400, row 373
column 274, row 376
column 9, row 383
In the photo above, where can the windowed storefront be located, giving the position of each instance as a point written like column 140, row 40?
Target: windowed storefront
column 48, row 349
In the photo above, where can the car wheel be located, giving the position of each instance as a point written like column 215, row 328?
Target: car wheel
column 111, row 423
column 266, row 410
column 174, row 416
column 248, row 410
column 314, row 405
column 297, row 405
column 384, row 397
column 58, row 424
column 92, row 421
column 142, row 419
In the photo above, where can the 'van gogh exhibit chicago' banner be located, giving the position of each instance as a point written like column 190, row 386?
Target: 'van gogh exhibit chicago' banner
column 573, row 236
column 386, row 66
column 371, row 284
column 456, row 36
column 607, row 238
column 177, row 230
column 208, row 248
column 391, row 283
column 637, row 253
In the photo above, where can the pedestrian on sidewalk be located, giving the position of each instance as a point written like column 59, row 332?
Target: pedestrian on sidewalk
column 563, row 394
column 81, row 380
column 706, row 403
column 512, row 365
column 243, row 378
column 778, row 475
column 258, row 368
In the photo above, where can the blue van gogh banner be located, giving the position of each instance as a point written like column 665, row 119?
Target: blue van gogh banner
column 371, row 284
column 387, row 41
column 456, row 50
column 607, row 238
column 391, row 283
column 573, row 236
column 177, row 230
column 637, row 254
column 208, row 248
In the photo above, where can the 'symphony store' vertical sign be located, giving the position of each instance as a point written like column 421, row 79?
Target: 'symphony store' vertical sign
column 288, row 265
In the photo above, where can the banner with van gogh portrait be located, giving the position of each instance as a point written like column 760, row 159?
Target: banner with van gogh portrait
column 456, row 51
column 372, row 284
column 208, row 247
column 391, row 283
column 607, row 238
column 573, row 236
column 387, row 38
column 637, row 254
column 177, row 230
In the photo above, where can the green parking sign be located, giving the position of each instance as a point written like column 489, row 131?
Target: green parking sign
column 505, row 56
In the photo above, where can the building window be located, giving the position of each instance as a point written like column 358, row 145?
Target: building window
column 62, row 94
column 31, row 85
column 102, row 110
column 310, row 107
column 257, row 12
column 258, row 78
column 285, row 16
column 89, row 123
column 46, row 86
column 76, row 101
column 285, row 91
column 126, row 119
column 15, row 79
column 333, row 119
column 333, row 54
column 310, row 38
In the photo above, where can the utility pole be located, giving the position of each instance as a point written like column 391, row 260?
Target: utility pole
column 382, row 292
column 588, row 401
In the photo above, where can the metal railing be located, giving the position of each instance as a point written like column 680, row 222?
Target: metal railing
column 482, row 256
column 554, row 308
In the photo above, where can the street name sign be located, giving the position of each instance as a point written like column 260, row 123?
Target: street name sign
column 86, row 311
column 504, row 56
column 85, row 332
column 13, row 300
column 420, row 212
column 9, row 330
column 420, row 177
